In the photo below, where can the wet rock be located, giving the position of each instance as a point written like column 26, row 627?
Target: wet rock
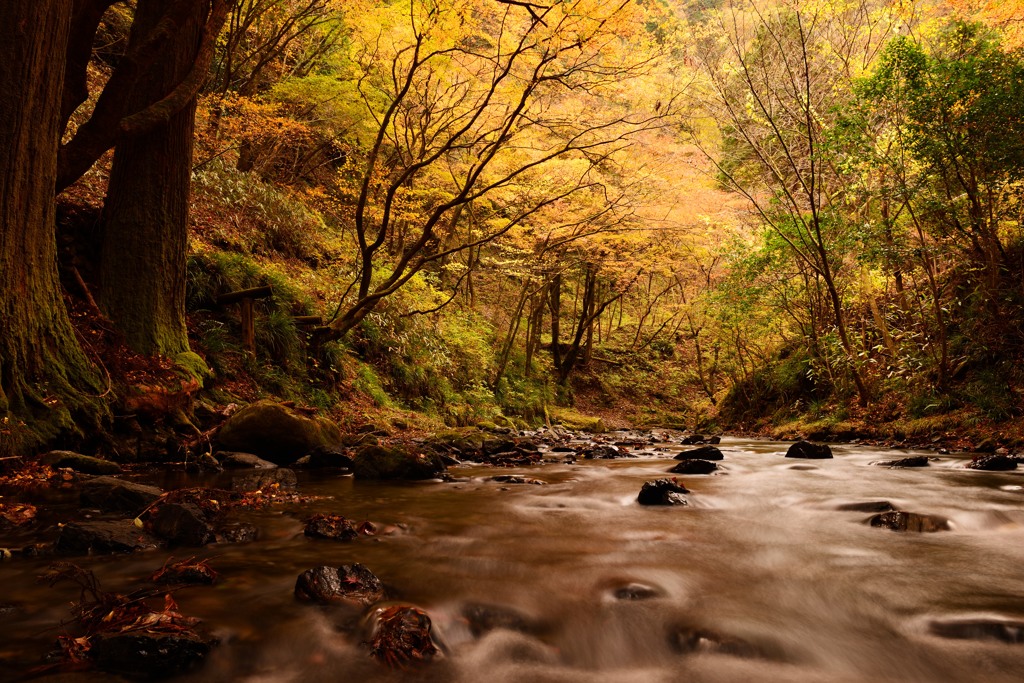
column 494, row 446
column 636, row 591
column 516, row 479
column 994, row 463
column 149, row 655
column 117, row 495
column 692, row 440
column 563, row 449
column 325, row 457
column 235, row 460
column 259, row 480
column 662, row 492
column 181, row 524
column 702, row 453
column 350, row 583
column 694, row 467
column 186, row 573
column 808, row 450
column 121, row 536
column 276, row 432
column 985, row 446
column 482, row 619
column 980, row 629
column 686, row 640
column 715, row 440
column 380, row 462
column 80, row 463
column 401, row 636
column 914, row 461
column 898, row 520
column 606, row 452
column 331, row 527
column 238, row 532
column 867, row 506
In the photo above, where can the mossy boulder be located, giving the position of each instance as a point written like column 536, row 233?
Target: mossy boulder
column 383, row 462
column 276, row 432
column 571, row 419
column 80, row 463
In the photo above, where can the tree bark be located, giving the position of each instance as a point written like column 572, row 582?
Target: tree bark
column 45, row 377
column 145, row 227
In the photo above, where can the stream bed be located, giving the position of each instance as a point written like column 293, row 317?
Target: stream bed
column 577, row 582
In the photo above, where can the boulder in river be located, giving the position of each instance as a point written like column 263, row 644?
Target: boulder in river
column 142, row 653
column 662, row 492
column 606, row 452
column 867, row 506
column 809, row 451
column 324, row 457
column 694, row 467
column 181, row 524
column 516, row 479
column 913, row 461
column 702, row 453
column 692, row 440
column 243, row 461
column 86, row 464
column 350, row 583
column 238, row 532
column 483, row 619
column 401, row 635
column 120, row 536
column 687, row 640
column 276, row 432
column 994, row 463
column 980, row 629
column 898, row 520
column 118, row 495
column 331, row 527
column 382, row 462
column 261, row 480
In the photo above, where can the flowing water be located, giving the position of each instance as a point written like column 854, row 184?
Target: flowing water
column 760, row 555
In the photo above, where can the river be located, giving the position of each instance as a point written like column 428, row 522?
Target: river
column 761, row 555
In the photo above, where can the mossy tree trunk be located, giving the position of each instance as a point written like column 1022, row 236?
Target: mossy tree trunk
column 145, row 225
column 45, row 377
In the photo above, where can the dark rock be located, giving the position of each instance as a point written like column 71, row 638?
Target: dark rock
column 606, row 453
column 994, row 463
column 121, row 536
column 808, row 450
column 694, row 467
column 118, row 495
column 235, row 460
column 492, row 446
column 980, row 629
column 401, row 636
column 528, row 445
column 276, row 432
column 380, row 462
column 687, row 640
column 238, row 532
column 181, row 524
column 985, row 446
column 332, row 527
column 914, row 461
column 186, row 573
column 349, row 583
column 516, row 479
column 482, row 619
column 80, row 463
column 258, row 480
column 149, row 655
column 636, row 591
column 662, row 492
column 868, row 506
column 563, row 449
column 324, row 457
column 702, row 453
column 715, row 440
column 692, row 440
column 898, row 520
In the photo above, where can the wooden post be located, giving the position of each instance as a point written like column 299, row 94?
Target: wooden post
column 248, row 326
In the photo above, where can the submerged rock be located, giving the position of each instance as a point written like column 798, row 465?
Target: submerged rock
column 913, row 461
column 142, row 653
column 235, row 460
column 692, row 440
column 276, row 432
column 181, row 524
column 808, row 450
column 238, row 532
column 117, row 495
column 694, row 467
column 636, row 591
column 381, row 462
column 516, row 479
column 121, row 536
column 80, row 463
column 401, row 635
column 349, row 583
column 482, row 619
column 259, row 480
column 867, row 506
column 605, row 452
column 898, row 520
column 662, row 492
column 980, row 629
column 702, row 453
column 994, row 463
column 331, row 527
column 687, row 640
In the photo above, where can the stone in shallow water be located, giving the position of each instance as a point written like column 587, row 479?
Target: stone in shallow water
column 687, row 640
column 914, row 461
column 516, row 479
column 401, row 636
column 994, row 463
column 867, row 506
column 662, row 492
column 636, row 591
column 349, row 583
column 810, row 451
column 483, row 619
column 121, row 536
column 898, row 520
column 150, row 655
column 694, row 467
column 702, row 453
column 332, row 527
column 980, row 629
column 118, row 495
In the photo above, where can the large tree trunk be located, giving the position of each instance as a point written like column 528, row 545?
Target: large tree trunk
column 145, row 230
column 45, row 377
